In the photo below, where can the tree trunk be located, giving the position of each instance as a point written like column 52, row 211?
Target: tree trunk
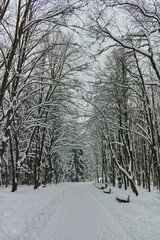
column 14, row 180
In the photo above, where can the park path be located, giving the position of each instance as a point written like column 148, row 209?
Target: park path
column 83, row 215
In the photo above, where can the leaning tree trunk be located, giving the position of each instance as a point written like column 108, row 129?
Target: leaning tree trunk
column 129, row 177
column 14, row 181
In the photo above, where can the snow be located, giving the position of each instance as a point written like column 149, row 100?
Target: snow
column 5, row 139
column 78, row 211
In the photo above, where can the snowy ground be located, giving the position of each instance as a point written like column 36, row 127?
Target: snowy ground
column 78, row 211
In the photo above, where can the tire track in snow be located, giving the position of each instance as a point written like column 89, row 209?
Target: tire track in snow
column 37, row 223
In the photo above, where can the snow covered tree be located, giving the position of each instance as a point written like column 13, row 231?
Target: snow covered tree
column 137, row 32
column 32, row 70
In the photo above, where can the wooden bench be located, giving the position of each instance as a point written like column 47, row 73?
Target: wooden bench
column 122, row 200
column 108, row 192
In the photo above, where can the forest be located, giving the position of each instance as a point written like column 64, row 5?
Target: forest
column 79, row 92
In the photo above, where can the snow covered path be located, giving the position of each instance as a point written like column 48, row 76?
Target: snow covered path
column 78, row 211
column 82, row 216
